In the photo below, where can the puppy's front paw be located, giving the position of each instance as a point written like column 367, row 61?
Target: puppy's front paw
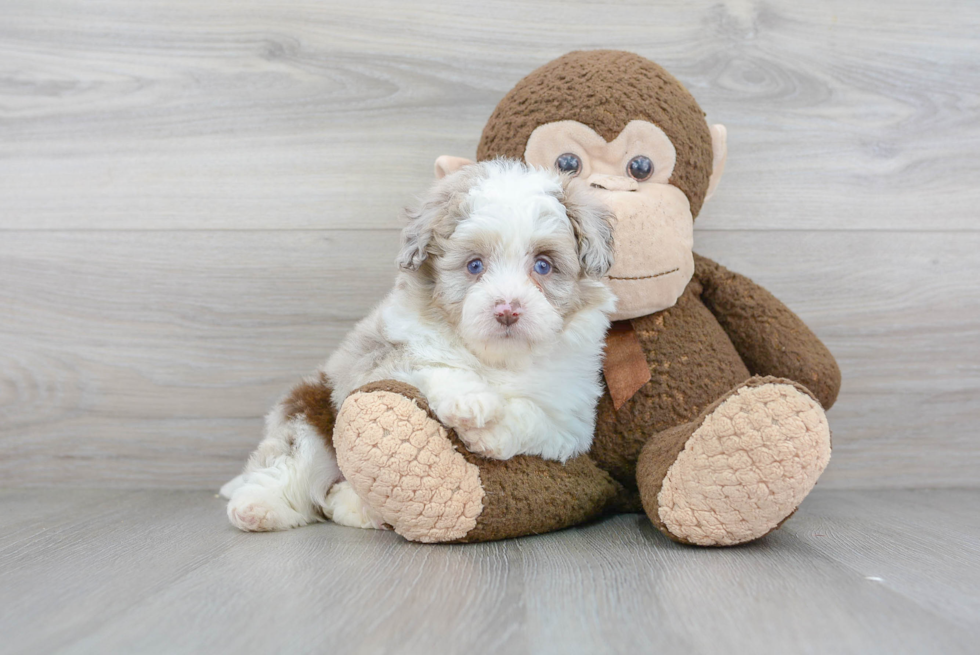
column 471, row 410
column 495, row 442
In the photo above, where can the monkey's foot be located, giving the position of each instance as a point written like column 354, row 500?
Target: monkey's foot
column 738, row 471
column 420, row 479
column 400, row 460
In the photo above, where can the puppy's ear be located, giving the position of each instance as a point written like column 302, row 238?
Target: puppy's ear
column 593, row 226
column 417, row 235
column 434, row 220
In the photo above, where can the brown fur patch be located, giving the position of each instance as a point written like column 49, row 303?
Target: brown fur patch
column 311, row 399
column 605, row 90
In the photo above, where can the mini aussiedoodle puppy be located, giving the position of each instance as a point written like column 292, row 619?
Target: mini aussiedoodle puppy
column 497, row 317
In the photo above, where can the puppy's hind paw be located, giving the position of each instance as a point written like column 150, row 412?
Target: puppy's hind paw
column 252, row 517
column 471, row 410
column 255, row 512
column 229, row 488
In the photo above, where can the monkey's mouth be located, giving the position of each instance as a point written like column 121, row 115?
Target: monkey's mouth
column 645, row 277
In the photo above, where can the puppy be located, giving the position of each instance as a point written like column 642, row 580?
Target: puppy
column 497, row 317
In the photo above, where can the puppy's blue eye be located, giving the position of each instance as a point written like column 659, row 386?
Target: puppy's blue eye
column 542, row 267
column 475, row 267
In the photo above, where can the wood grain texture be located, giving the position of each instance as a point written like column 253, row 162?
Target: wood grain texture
column 148, row 358
column 226, row 114
column 198, row 199
column 142, row 571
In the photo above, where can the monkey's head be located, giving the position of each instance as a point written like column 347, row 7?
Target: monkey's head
column 631, row 133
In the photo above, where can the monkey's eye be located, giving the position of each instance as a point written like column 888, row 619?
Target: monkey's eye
column 640, row 168
column 569, row 163
column 475, row 267
column 542, row 266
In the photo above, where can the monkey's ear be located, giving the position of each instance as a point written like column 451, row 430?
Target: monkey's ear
column 719, row 150
column 447, row 165
column 592, row 223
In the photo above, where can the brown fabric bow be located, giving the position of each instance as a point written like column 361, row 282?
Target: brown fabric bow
column 625, row 367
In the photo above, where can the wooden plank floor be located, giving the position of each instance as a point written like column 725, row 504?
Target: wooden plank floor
column 99, row 571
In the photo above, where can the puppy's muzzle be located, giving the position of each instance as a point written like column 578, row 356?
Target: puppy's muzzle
column 507, row 313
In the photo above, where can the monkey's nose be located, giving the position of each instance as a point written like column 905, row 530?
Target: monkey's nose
column 612, row 182
column 507, row 313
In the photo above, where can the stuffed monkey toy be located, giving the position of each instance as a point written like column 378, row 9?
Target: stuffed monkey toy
column 713, row 420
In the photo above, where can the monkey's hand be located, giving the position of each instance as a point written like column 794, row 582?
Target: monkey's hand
column 769, row 337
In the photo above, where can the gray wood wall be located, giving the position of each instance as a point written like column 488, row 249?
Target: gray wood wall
column 198, row 198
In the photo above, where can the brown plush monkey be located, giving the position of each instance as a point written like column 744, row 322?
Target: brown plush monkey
column 714, row 416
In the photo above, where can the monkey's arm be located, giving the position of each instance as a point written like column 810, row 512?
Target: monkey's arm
column 770, row 338
column 424, row 483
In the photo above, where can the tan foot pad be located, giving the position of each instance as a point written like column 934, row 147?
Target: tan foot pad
column 746, row 468
column 401, row 461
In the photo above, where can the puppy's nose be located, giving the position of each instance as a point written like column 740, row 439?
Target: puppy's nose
column 507, row 313
column 613, row 182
